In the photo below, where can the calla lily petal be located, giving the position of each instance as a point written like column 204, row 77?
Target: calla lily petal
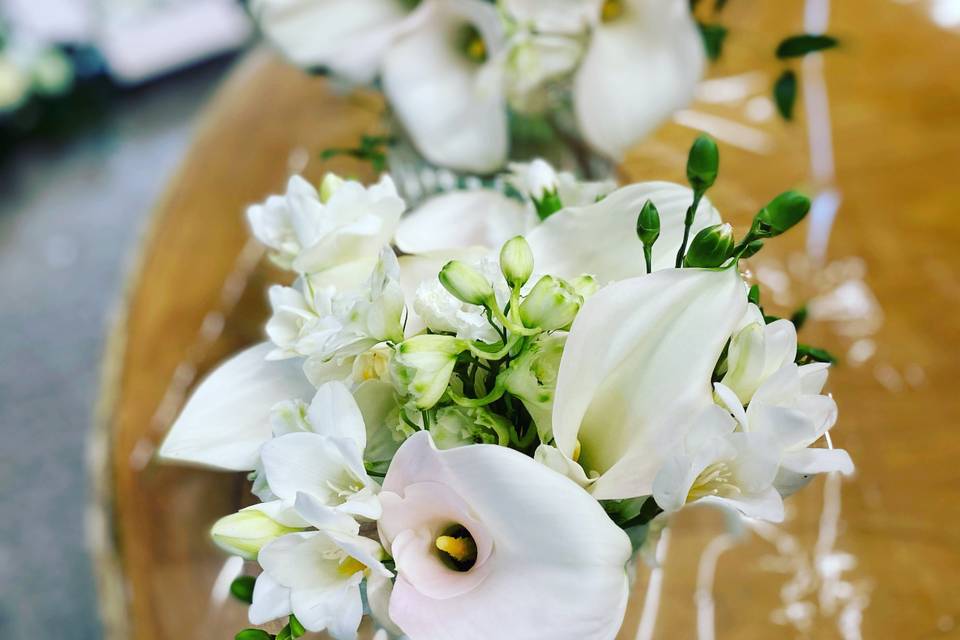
column 462, row 219
column 636, row 369
column 227, row 418
column 637, row 71
column 600, row 239
column 452, row 107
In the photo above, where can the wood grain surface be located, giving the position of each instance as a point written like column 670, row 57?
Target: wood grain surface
column 886, row 294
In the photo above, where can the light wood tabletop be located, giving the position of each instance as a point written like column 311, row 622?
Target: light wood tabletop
column 878, row 264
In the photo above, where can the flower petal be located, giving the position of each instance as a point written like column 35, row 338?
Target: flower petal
column 637, row 366
column 227, row 418
column 313, row 464
column 463, row 219
column 637, row 71
column 271, row 601
column 601, row 239
column 452, row 107
column 334, row 412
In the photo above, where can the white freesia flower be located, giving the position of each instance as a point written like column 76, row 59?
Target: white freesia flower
column 789, row 411
column 316, row 575
column 601, row 238
column 643, row 62
column 444, row 82
column 348, row 37
column 311, row 234
column 715, row 464
column 325, row 460
column 488, row 543
column 636, row 370
column 757, row 350
column 226, row 420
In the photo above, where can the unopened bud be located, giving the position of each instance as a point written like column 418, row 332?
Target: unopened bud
column 783, row 212
column 466, row 283
column 423, row 364
column 331, row 182
column 711, row 247
column 552, row 304
column 516, row 261
column 648, row 224
column 586, row 285
column 703, row 163
column 244, row 533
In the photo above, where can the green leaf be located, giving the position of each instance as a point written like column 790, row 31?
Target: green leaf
column 785, row 93
column 242, row 588
column 800, row 45
column 296, row 629
column 799, row 317
column 754, row 295
column 713, row 36
column 253, row 634
column 285, row 633
column 806, row 353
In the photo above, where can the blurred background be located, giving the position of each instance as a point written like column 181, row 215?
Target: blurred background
column 123, row 176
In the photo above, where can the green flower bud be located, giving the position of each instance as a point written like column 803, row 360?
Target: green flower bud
column 331, row 182
column 752, row 249
column 703, row 163
column 648, row 224
column 782, row 213
column 244, row 533
column 548, row 205
column 551, row 304
column 532, row 377
column 466, row 283
column 711, row 247
column 516, row 261
column 422, row 366
column 457, row 426
column 586, row 285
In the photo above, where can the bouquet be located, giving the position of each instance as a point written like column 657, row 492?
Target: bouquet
column 471, row 443
column 607, row 71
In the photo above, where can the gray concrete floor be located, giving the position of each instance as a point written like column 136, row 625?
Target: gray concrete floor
column 71, row 215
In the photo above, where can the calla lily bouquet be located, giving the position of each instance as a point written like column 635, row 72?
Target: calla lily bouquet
column 618, row 67
column 466, row 443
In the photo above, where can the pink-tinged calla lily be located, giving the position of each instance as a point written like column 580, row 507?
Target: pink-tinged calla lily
column 348, row 37
column 643, row 62
column 227, row 419
column 449, row 97
column 601, row 238
column 636, row 371
column 547, row 562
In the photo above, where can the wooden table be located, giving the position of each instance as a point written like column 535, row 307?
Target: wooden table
column 888, row 563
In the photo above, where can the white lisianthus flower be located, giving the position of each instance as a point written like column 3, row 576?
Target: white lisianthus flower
column 312, row 234
column 757, row 351
column 322, row 455
column 488, row 543
column 553, row 16
column 790, row 412
column 444, row 81
column 534, row 62
column 227, row 419
column 636, row 371
column 348, row 37
column 714, row 464
column 316, row 575
column 643, row 62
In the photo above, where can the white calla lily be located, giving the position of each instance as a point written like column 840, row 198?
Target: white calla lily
column 636, row 370
column 316, row 575
column 601, row 239
column 348, row 37
column 643, row 62
column 444, row 82
column 227, row 419
column 530, row 554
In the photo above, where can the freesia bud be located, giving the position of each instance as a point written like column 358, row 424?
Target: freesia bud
column 331, row 182
column 541, row 179
column 422, row 366
column 532, row 377
column 752, row 249
column 648, row 224
column 783, row 212
column 244, row 533
column 516, row 261
column 586, row 285
column 465, row 283
column 703, row 163
column 711, row 247
column 552, row 304
column 456, row 426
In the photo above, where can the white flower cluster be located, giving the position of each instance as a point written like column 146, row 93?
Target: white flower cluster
column 437, row 440
column 626, row 64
